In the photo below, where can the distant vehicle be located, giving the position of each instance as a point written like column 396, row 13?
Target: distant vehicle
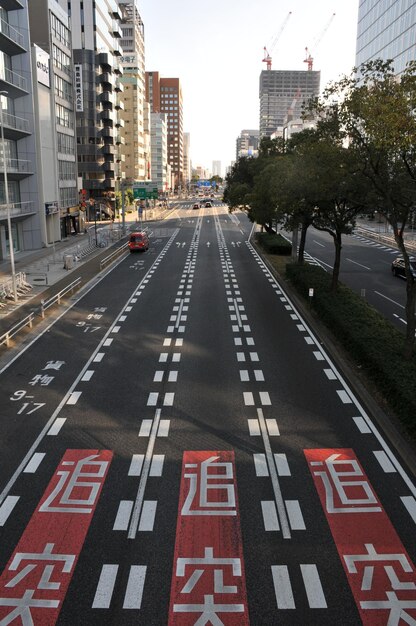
column 398, row 268
column 138, row 241
column 208, row 204
column 196, row 205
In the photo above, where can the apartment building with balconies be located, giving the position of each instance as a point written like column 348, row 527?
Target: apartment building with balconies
column 96, row 35
column 18, row 143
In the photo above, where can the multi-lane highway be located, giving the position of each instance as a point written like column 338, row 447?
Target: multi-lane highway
column 366, row 268
column 178, row 448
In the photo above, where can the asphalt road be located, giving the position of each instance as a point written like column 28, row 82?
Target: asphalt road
column 179, row 448
column 366, row 268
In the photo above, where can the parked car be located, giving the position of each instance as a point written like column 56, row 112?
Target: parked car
column 138, row 241
column 196, row 206
column 398, row 269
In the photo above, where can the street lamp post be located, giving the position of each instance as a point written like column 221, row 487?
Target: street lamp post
column 6, row 193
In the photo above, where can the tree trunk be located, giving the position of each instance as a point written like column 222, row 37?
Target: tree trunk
column 337, row 262
column 304, row 229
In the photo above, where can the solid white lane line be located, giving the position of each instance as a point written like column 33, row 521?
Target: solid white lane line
column 135, row 585
column 386, row 465
column 313, row 586
column 260, row 465
column 282, row 587
column 87, row 376
column 282, row 465
column 137, row 462
column 7, row 507
column 139, row 502
column 410, row 504
column 270, row 519
column 105, row 587
column 284, row 522
column 389, row 299
column 123, row 515
column 147, row 518
column 294, row 514
column 34, row 463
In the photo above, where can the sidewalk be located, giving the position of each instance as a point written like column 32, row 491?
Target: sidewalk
column 40, row 269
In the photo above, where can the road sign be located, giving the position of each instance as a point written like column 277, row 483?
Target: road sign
column 145, row 189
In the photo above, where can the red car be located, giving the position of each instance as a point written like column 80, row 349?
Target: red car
column 138, row 241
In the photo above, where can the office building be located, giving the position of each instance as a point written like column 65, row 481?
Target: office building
column 283, row 92
column 135, row 145
column 216, row 168
column 55, row 131
column 187, row 165
column 18, row 161
column 165, row 96
column 96, row 34
column 159, row 151
column 386, row 30
column 248, row 143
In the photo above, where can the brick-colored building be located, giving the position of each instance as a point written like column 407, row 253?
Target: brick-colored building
column 165, row 96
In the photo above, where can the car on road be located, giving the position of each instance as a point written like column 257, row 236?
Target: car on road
column 196, row 206
column 138, row 241
column 207, row 204
column 398, row 268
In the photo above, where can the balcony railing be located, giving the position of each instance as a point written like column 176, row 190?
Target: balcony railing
column 15, row 166
column 11, row 33
column 17, row 123
column 13, row 78
column 18, row 209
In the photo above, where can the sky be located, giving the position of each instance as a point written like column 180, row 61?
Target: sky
column 216, row 49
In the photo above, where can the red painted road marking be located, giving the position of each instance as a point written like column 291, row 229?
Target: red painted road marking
column 381, row 575
column 208, row 581
column 34, row 584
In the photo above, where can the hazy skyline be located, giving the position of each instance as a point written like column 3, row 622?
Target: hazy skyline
column 217, row 54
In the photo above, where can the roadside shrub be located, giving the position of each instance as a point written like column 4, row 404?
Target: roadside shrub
column 371, row 340
column 274, row 243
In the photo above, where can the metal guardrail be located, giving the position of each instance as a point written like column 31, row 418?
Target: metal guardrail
column 27, row 321
column 113, row 255
column 45, row 304
column 386, row 239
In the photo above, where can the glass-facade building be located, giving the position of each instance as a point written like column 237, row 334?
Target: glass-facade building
column 386, row 30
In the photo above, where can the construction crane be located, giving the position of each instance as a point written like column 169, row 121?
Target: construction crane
column 268, row 50
column 308, row 58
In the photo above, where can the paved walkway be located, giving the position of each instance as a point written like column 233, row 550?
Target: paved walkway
column 36, row 271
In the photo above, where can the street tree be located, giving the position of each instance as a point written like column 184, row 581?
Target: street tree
column 374, row 110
